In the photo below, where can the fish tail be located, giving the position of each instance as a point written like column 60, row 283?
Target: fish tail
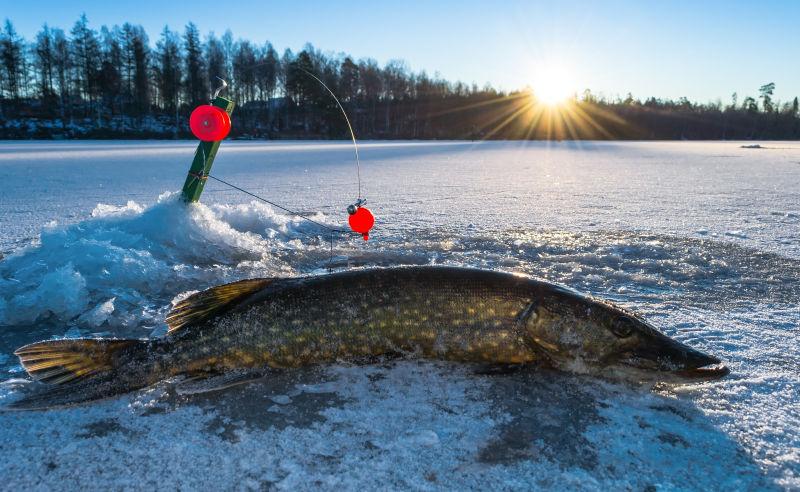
column 67, row 361
column 78, row 370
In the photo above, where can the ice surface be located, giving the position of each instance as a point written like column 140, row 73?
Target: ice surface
column 702, row 238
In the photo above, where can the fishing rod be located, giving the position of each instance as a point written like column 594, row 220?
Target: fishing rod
column 349, row 127
column 211, row 124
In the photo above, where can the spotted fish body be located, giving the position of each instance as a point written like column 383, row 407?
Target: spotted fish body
column 442, row 313
column 446, row 313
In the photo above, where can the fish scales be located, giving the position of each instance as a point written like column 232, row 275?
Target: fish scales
column 323, row 319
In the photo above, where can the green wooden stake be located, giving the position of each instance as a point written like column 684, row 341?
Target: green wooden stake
column 203, row 159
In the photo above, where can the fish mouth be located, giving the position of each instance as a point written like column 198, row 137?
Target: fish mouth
column 697, row 364
column 710, row 371
column 673, row 357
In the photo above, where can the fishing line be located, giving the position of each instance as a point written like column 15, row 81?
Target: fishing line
column 341, row 108
column 287, row 210
column 349, row 126
column 332, row 230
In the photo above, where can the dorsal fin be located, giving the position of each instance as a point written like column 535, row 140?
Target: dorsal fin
column 203, row 305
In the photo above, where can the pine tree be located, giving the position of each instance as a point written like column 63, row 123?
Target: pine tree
column 195, row 73
column 766, row 92
column 369, row 74
column 749, row 104
column 136, row 67
column 11, row 62
column 43, row 62
column 244, row 61
column 348, row 80
column 216, row 60
column 228, row 48
column 168, row 72
column 267, row 73
column 62, row 66
column 85, row 53
column 111, row 66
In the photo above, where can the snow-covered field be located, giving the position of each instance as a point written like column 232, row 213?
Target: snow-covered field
column 701, row 238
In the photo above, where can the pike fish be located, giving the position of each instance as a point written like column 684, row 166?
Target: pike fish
column 444, row 313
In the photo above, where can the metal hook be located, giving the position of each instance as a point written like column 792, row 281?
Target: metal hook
column 220, row 88
column 351, row 209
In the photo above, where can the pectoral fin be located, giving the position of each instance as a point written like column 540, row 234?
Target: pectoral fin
column 216, row 382
column 203, row 305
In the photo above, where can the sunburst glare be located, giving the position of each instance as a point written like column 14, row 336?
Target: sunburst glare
column 553, row 85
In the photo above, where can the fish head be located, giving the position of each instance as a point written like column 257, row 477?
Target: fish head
column 588, row 335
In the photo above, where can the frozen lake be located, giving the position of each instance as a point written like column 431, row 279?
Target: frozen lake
column 703, row 239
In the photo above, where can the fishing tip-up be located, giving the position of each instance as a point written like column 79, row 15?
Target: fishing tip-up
column 361, row 219
column 208, row 122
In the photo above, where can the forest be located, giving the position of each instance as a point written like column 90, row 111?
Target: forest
column 115, row 83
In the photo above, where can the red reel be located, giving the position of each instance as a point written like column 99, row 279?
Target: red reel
column 361, row 221
column 210, row 123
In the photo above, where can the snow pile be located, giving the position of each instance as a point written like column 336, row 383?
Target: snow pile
column 122, row 266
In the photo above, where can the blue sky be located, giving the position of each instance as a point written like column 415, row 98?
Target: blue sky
column 701, row 50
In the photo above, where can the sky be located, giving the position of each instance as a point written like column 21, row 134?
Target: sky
column 703, row 50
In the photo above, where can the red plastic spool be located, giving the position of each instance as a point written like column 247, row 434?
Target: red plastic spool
column 210, row 123
column 362, row 221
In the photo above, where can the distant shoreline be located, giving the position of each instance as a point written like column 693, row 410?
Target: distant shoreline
column 319, row 138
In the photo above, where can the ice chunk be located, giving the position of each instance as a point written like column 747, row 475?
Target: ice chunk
column 143, row 257
column 61, row 293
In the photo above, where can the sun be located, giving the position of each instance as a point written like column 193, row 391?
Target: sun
column 553, row 85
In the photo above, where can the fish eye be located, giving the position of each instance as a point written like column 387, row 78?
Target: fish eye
column 622, row 326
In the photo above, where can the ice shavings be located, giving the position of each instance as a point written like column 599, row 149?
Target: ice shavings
column 142, row 257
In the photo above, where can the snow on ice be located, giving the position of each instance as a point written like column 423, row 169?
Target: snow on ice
column 701, row 238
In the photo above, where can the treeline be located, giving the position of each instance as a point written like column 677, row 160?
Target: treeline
column 115, row 82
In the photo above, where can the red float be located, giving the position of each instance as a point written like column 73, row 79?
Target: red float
column 210, row 123
column 361, row 221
